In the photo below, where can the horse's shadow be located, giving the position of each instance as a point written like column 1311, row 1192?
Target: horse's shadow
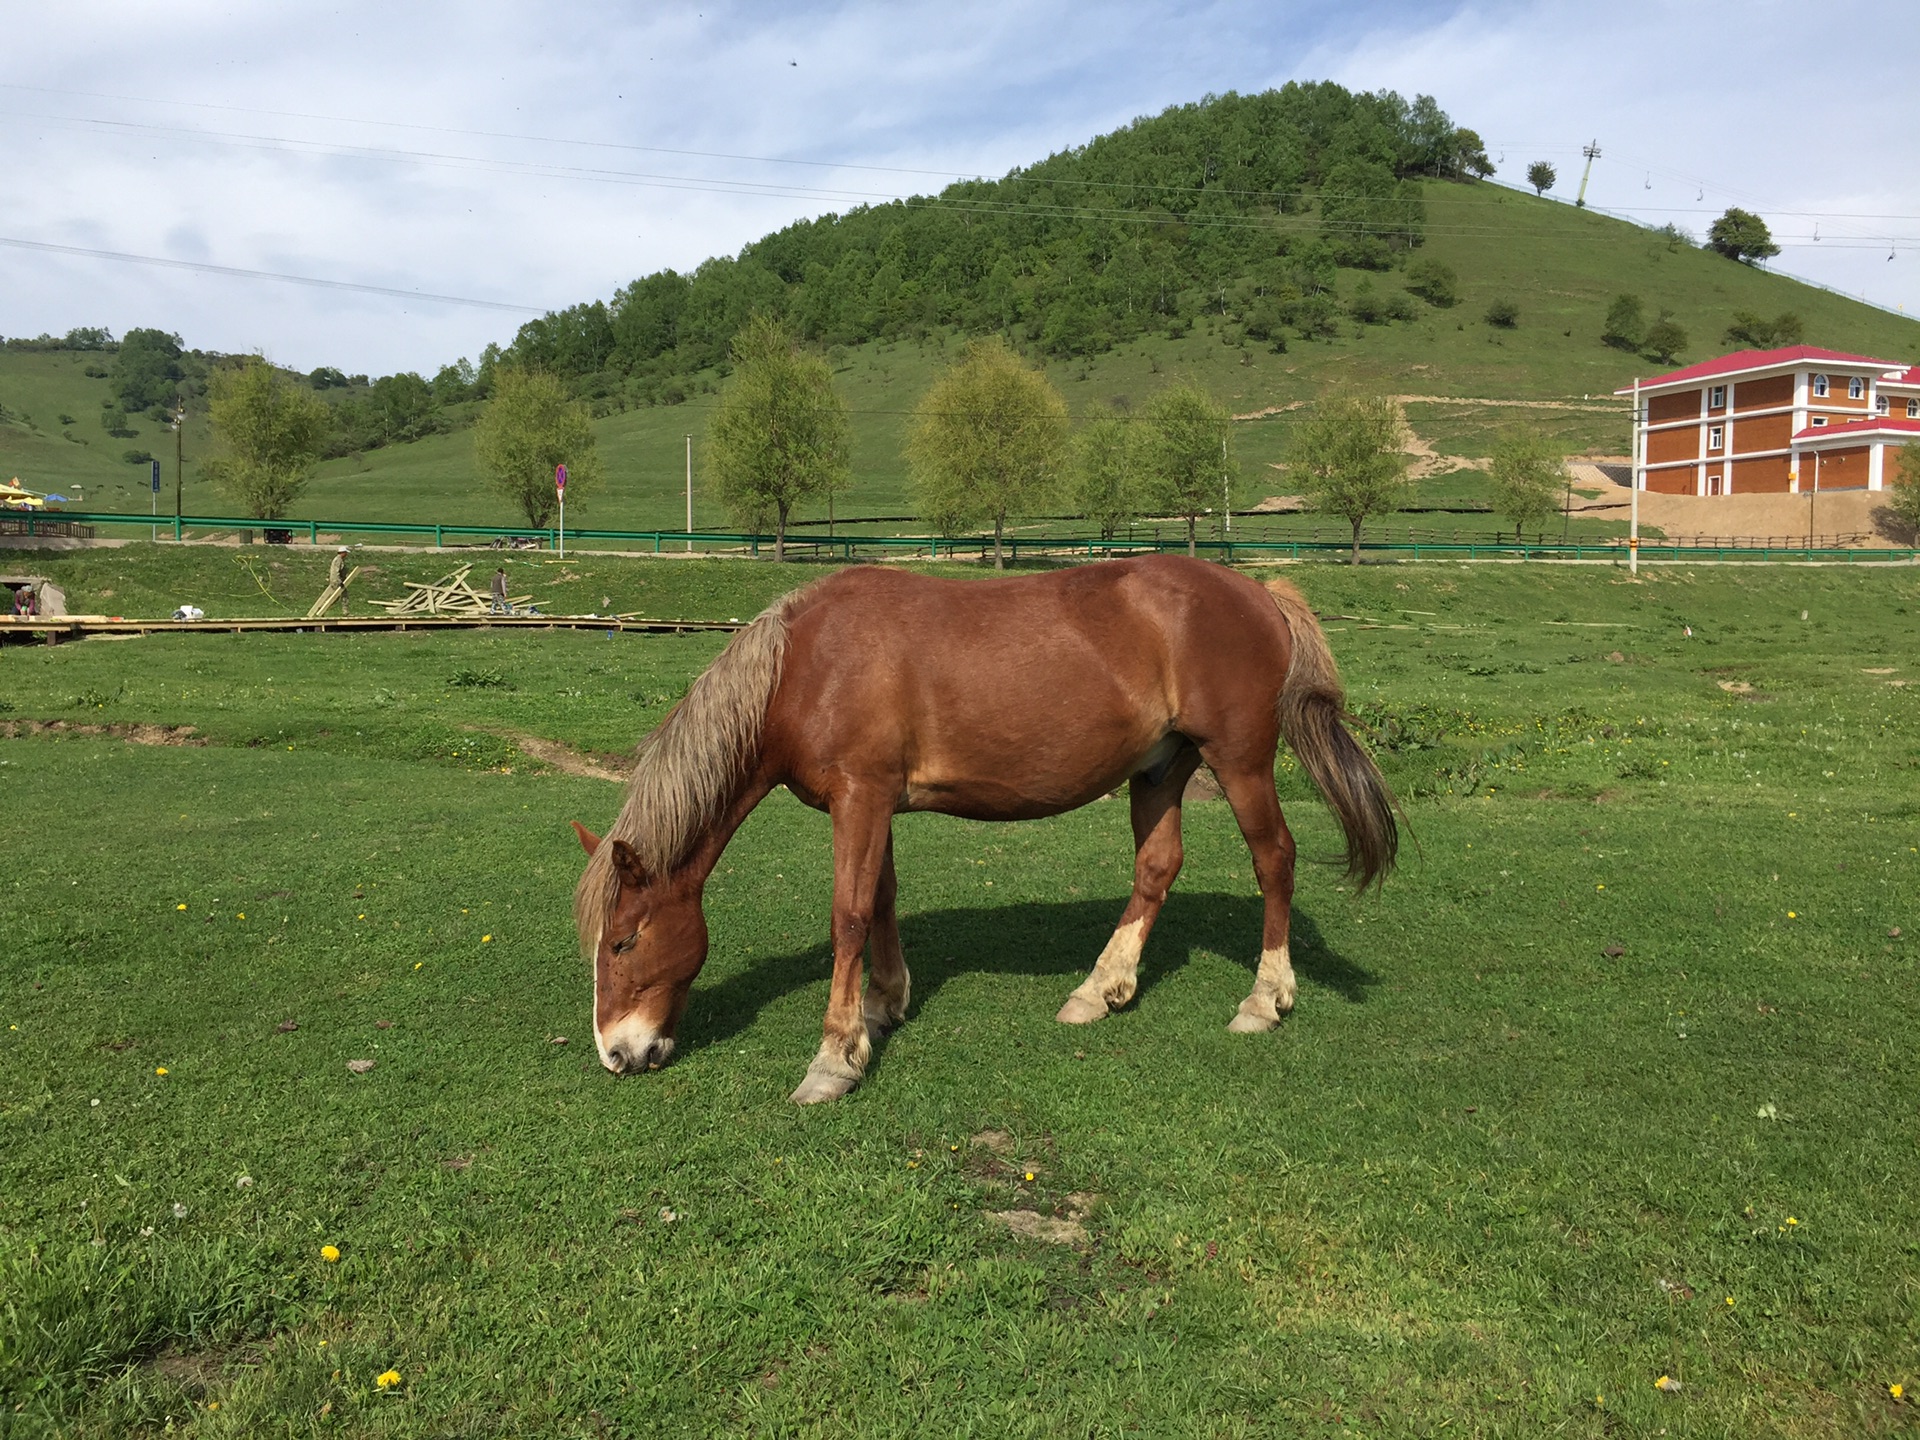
column 1054, row 938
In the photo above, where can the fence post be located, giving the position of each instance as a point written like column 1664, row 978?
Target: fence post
column 437, row 544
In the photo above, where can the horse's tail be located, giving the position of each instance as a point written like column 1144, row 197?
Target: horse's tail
column 1313, row 718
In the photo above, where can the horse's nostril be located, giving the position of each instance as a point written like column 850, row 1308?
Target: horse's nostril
column 617, row 1059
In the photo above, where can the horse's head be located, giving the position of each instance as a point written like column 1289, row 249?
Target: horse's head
column 652, row 942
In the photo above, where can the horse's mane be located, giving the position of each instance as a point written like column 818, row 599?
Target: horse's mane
column 690, row 766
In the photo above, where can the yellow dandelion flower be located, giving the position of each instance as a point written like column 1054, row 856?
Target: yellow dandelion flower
column 179, row 907
column 1029, row 1175
column 1729, row 1301
column 1896, row 1390
column 486, row 939
column 159, row 1069
column 387, row 1379
column 1599, row 887
column 241, row 916
column 1792, row 1221
column 418, row 963
column 1791, row 915
column 213, row 1404
column 331, row 1254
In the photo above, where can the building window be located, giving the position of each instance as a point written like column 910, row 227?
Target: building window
column 1856, row 387
column 1818, row 421
column 1717, row 398
column 1820, row 387
column 1716, row 436
column 1913, row 409
column 1879, row 404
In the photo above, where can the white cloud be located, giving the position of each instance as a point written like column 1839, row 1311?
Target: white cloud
column 193, row 169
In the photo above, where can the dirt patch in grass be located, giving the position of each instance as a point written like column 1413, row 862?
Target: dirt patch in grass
column 564, row 758
column 134, row 733
column 1032, row 1225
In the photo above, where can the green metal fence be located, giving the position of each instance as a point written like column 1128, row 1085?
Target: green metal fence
column 956, row 547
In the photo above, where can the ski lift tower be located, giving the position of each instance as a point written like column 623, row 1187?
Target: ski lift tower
column 1592, row 152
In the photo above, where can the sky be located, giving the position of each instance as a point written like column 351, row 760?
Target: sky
column 439, row 173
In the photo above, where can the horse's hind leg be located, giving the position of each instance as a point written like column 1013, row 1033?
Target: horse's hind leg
column 888, row 984
column 1156, row 863
column 1257, row 808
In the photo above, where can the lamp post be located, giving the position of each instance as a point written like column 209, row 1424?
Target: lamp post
column 560, row 489
column 179, row 428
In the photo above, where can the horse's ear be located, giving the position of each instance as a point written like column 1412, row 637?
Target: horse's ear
column 589, row 841
column 626, row 865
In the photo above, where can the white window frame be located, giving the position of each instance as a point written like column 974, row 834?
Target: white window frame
column 1819, row 422
column 1819, row 387
column 1856, row 387
column 1913, row 409
column 1717, row 398
column 1880, row 405
column 1716, row 437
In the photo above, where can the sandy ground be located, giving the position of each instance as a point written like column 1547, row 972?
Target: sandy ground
column 1849, row 517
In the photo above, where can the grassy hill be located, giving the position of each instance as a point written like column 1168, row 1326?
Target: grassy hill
column 1560, row 267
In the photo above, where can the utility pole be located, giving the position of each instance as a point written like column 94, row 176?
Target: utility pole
column 179, row 428
column 1226, row 488
column 1592, row 152
column 689, row 494
column 1639, row 469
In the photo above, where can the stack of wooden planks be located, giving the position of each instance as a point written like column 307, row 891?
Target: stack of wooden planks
column 331, row 594
column 449, row 595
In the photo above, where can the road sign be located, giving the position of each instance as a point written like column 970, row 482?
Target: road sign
column 155, row 473
column 560, row 477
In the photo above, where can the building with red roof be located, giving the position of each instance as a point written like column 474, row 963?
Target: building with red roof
column 1779, row 421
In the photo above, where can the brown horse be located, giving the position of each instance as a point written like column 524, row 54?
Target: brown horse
column 875, row 691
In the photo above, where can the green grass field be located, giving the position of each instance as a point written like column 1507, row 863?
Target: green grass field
column 1560, row 265
column 1615, row 1079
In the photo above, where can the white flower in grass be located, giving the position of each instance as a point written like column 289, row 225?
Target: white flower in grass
column 179, row 1211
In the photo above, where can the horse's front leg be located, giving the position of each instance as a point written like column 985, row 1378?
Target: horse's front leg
column 888, row 984
column 862, row 833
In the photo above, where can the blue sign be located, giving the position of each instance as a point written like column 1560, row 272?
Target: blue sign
column 156, row 475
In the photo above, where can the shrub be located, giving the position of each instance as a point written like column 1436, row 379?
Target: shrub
column 1433, row 282
column 1503, row 314
column 136, row 457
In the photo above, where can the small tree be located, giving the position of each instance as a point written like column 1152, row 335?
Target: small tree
column 1903, row 493
column 1626, row 327
column 1503, row 314
column 1665, row 339
column 1433, row 282
column 1747, row 328
column 987, row 441
column 1541, row 175
column 1351, row 460
column 529, row 428
column 1528, row 473
column 1741, row 235
column 1188, row 454
column 780, row 434
column 271, row 431
column 1106, row 485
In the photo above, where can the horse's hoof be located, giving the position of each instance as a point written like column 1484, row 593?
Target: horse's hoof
column 1079, row 1010
column 823, row 1085
column 1245, row 1024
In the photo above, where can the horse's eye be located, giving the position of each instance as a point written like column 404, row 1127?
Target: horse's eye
column 620, row 947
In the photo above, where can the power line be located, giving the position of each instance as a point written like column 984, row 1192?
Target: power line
column 233, row 270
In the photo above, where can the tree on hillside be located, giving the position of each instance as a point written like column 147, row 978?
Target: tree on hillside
column 146, row 373
column 529, row 427
column 780, row 434
column 1665, row 339
column 1187, row 455
column 1106, row 480
column 1541, row 175
column 1741, row 235
column 1747, row 328
column 1626, row 327
column 1903, row 491
column 987, row 441
column 1503, row 314
column 1528, row 474
column 1433, row 282
column 270, row 430
column 1349, row 457
column 403, row 406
